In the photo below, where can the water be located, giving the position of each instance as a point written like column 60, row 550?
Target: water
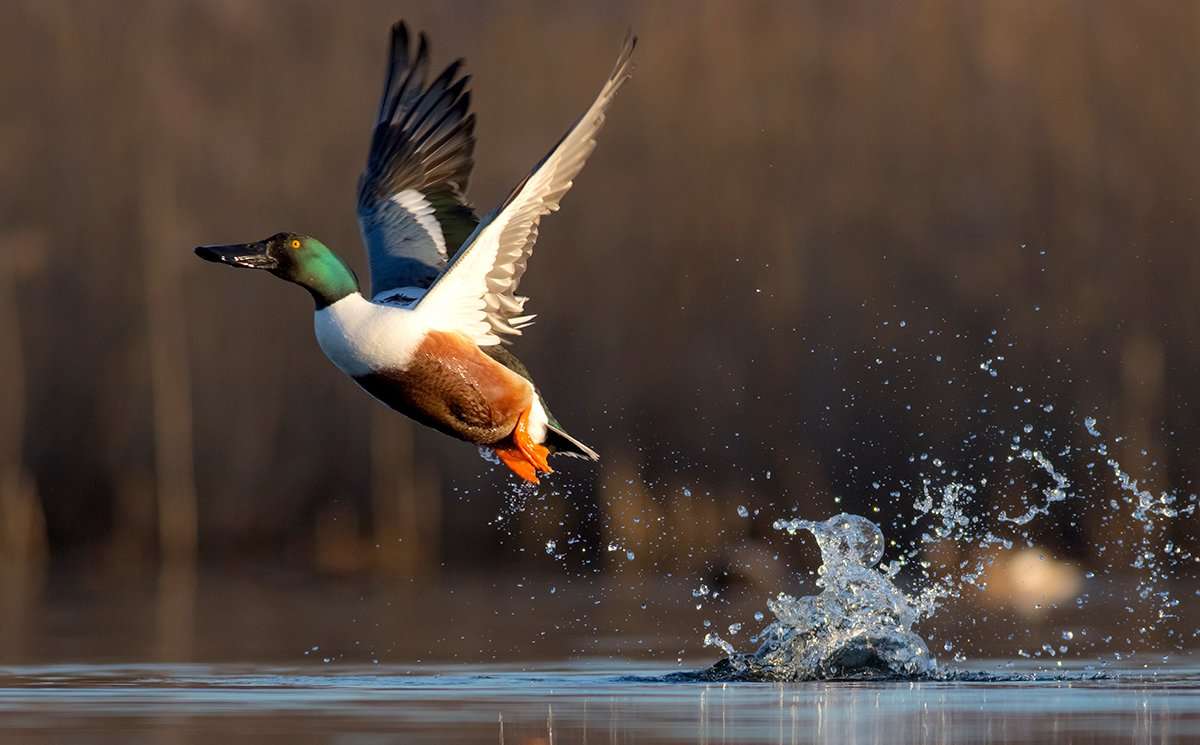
column 858, row 627
column 854, row 661
column 573, row 703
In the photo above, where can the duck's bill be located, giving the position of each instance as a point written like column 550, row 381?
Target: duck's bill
column 247, row 255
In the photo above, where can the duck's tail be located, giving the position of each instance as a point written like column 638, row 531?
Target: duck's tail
column 558, row 441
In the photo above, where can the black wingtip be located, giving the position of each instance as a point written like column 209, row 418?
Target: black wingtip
column 399, row 48
column 447, row 78
column 424, row 132
column 623, row 68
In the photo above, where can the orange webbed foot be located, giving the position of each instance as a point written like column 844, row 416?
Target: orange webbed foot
column 526, row 458
column 518, row 464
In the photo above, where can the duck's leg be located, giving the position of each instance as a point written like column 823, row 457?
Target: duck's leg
column 525, row 457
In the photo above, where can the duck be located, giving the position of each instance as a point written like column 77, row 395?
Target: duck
column 432, row 341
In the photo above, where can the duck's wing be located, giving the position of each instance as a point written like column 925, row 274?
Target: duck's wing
column 411, row 203
column 476, row 295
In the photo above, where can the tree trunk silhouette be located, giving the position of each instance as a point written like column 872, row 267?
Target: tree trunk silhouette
column 22, row 524
column 406, row 514
column 166, row 327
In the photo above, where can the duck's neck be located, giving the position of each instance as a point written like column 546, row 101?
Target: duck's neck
column 327, row 279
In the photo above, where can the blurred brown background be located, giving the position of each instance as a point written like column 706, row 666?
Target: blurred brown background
column 773, row 285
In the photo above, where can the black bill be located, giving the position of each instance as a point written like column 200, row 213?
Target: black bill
column 247, row 255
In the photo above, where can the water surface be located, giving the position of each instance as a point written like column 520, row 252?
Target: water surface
column 576, row 703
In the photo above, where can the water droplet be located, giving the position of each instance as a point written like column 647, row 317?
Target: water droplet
column 742, row 511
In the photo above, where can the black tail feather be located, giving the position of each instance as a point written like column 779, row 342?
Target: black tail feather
column 559, row 441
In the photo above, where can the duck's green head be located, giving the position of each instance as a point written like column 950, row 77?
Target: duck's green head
column 296, row 258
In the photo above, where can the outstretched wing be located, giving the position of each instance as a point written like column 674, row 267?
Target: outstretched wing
column 411, row 204
column 477, row 293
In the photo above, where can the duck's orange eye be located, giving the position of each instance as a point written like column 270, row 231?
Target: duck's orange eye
column 295, row 243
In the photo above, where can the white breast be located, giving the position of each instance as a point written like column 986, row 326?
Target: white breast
column 361, row 337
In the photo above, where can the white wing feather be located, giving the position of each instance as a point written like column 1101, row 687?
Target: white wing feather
column 476, row 295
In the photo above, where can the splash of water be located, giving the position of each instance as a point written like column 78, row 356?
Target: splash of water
column 858, row 627
column 981, row 525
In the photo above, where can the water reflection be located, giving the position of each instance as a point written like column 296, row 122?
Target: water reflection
column 201, row 704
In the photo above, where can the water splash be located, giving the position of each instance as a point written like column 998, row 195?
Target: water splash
column 977, row 534
column 858, row 627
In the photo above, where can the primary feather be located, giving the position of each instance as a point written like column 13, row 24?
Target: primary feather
column 476, row 294
column 412, row 207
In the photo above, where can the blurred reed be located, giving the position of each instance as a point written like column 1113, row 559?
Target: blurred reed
column 777, row 181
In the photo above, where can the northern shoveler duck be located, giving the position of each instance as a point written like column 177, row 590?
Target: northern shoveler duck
column 431, row 342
